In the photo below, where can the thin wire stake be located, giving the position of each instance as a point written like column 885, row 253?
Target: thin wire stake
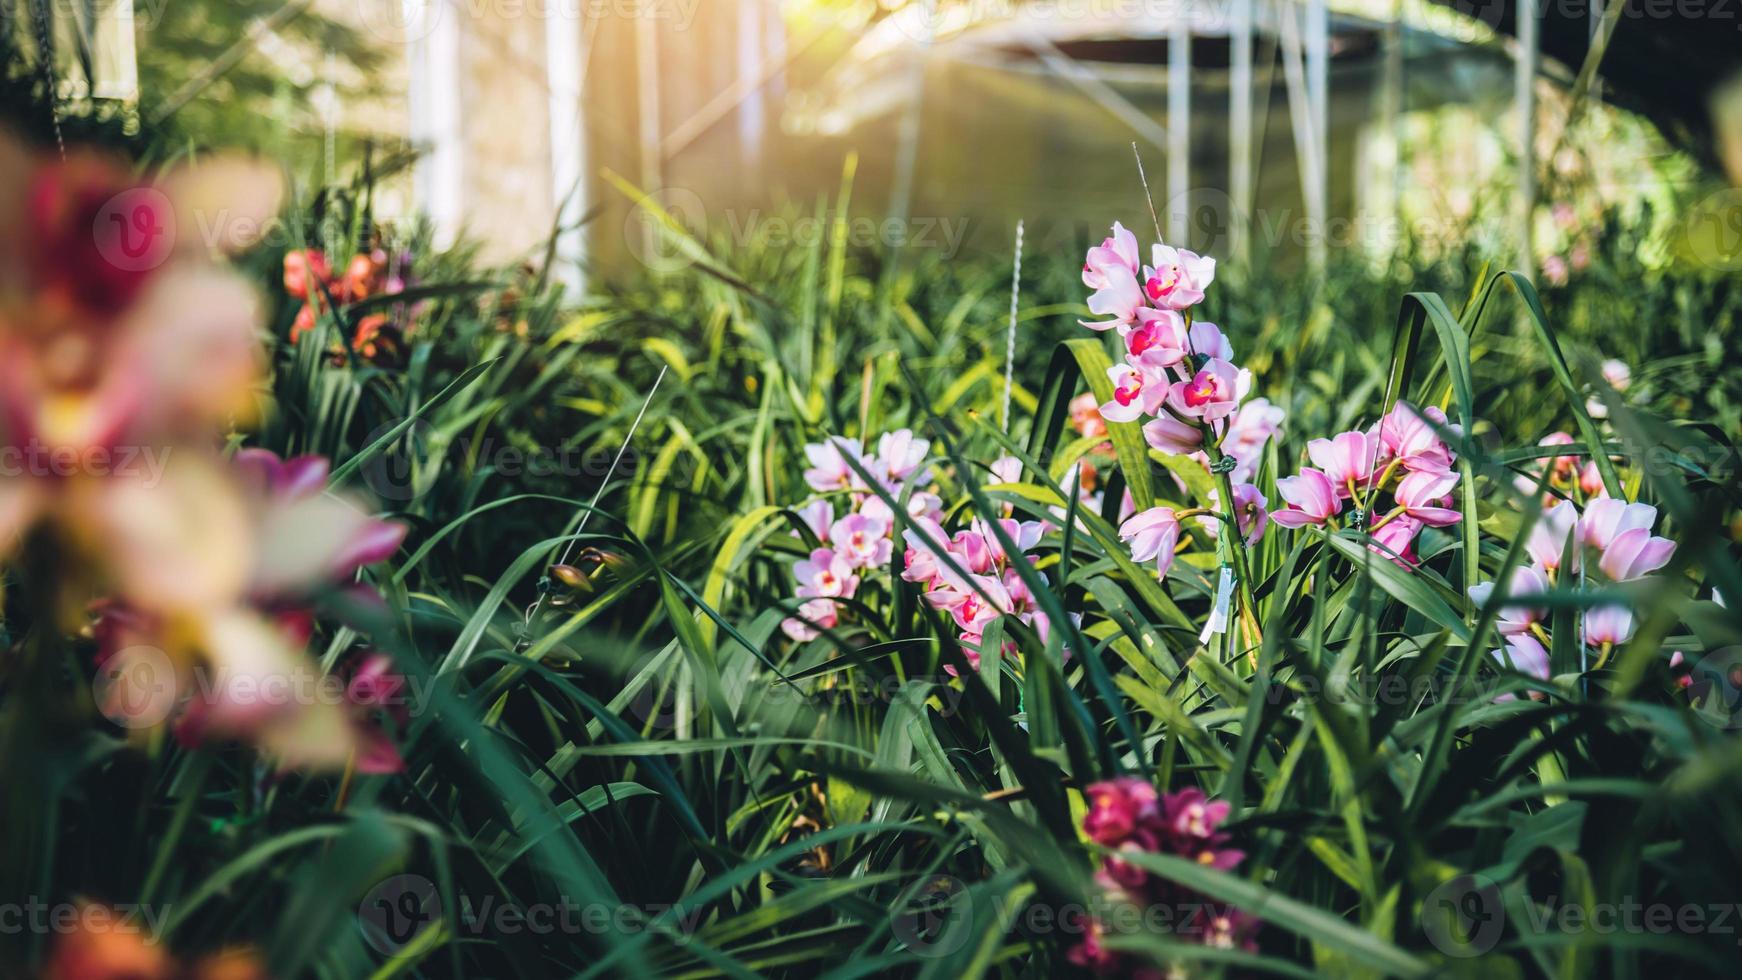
column 1147, row 198
column 1010, row 335
column 569, row 549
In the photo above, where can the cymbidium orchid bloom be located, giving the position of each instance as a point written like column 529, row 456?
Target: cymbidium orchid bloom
column 1177, row 277
column 1136, row 392
column 1548, row 539
column 829, row 469
column 1515, row 619
column 1110, row 269
column 1635, row 554
column 860, row 541
column 1411, row 437
column 1346, row 460
column 1561, row 466
column 1425, row 494
column 856, row 527
column 1159, row 340
column 1126, row 816
column 825, row 573
column 1395, row 539
column 1526, row 656
column 1211, row 394
column 1168, row 434
column 1608, row 625
column 1153, row 533
column 1311, row 497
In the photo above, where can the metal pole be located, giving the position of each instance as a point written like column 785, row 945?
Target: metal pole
column 1318, row 74
column 568, row 145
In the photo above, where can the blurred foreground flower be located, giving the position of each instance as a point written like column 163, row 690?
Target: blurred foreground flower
column 105, row 944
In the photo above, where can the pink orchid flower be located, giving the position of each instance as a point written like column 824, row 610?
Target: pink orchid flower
column 1562, row 465
column 1635, row 553
column 1086, row 416
column 901, row 454
column 1135, row 393
column 812, row 615
column 1178, row 277
column 1250, row 509
column 825, row 573
column 1548, row 539
column 1396, row 540
column 1208, row 340
column 1514, row 619
column 1249, row 431
column 1153, row 534
column 1606, row 519
column 861, row 541
column 1406, row 435
column 817, row 515
column 1212, row 394
column 1311, row 497
column 1608, row 624
column 1110, row 269
column 1168, row 434
column 829, row 469
column 1424, row 495
column 1118, row 808
column 1159, row 340
column 1346, row 459
column 1524, row 655
column 1591, row 480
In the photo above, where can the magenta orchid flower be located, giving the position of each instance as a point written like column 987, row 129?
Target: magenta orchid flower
column 1548, row 539
column 1211, row 394
column 1311, row 497
column 920, row 560
column 1135, row 393
column 1606, row 519
column 1153, row 534
column 818, row 515
column 1159, row 340
column 1208, row 340
column 1396, row 540
column 1177, row 278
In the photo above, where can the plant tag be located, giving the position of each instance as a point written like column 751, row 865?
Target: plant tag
column 1219, row 615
